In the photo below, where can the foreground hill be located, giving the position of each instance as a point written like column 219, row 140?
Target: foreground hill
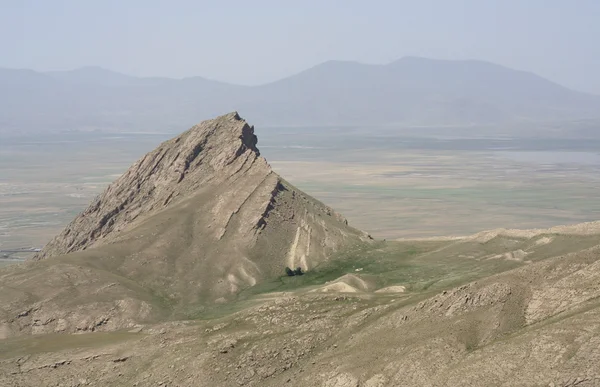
column 497, row 309
column 174, row 277
column 410, row 91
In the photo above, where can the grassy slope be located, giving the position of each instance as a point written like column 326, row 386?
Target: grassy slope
column 423, row 267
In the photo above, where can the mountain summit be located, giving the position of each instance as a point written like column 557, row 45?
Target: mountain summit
column 211, row 153
column 193, row 222
column 212, row 184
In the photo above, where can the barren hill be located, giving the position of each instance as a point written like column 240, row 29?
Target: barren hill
column 193, row 222
column 214, row 171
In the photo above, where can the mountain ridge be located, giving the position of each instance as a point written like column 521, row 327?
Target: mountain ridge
column 410, row 91
column 331, row 62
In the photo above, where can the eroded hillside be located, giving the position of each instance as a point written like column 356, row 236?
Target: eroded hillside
column 190, row 224
column 453, row 312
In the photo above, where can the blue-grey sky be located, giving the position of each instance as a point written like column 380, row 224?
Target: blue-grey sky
column 256, row 41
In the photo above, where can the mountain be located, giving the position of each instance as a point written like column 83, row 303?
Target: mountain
column 236, row 193
column 174, row 276
column 410, row 91
column 93, row 98
column 191, row 223
column 419, row 91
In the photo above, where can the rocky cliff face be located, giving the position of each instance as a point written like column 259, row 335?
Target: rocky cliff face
column 215, row 152
column 191, row 223
column 206, row 154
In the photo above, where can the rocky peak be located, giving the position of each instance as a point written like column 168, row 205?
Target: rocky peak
column 192, row 223
column 211, row 151
column 202, row 217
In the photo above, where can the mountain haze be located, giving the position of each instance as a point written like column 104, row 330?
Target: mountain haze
column 410, row 91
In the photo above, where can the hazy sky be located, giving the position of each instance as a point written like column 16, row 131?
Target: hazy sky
column 255, row 41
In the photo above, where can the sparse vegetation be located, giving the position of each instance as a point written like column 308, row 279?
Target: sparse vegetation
column 292, row 273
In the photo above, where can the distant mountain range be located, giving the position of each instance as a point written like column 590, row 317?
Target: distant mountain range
column 410, row 91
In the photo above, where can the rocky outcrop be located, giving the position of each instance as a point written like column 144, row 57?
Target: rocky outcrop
column 194, row 222
column 208, row 153
column 215, row 152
